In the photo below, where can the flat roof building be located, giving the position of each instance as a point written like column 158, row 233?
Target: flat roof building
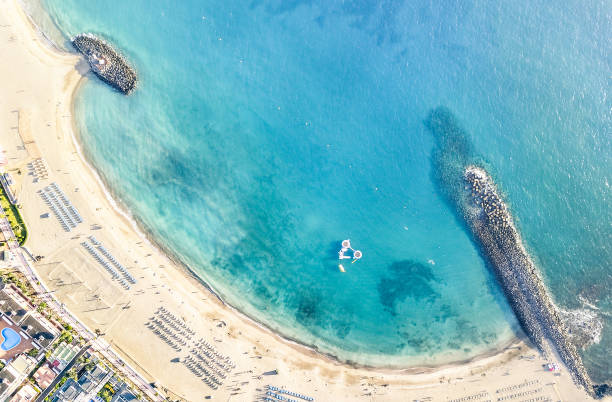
column 38, row 331
column 67, row 392
column 44, row 376
column 7, row 378
column 124, row 394
column 27, row 393
column 91, row 380
column 13, row 374
column 11, row 308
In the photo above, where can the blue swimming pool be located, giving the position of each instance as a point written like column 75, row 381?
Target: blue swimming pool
column 11, row 339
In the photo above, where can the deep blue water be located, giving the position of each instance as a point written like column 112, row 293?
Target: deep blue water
column 264, row 133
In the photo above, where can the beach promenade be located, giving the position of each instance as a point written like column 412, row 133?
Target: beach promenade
column 164, row 324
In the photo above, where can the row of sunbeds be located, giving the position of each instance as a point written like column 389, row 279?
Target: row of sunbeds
column 284, row 391
column 39, row 171
column 106, row 265
column 63, row 210
column 117, row 264
column 71, row 209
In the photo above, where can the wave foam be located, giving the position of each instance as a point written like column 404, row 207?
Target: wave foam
column 584, row 325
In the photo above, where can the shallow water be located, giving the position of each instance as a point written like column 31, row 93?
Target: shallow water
column 262, row 136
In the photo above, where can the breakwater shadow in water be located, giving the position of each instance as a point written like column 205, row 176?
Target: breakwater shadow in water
column 453, row 151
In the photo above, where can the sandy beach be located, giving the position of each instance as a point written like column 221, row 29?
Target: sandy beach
column 38, row 85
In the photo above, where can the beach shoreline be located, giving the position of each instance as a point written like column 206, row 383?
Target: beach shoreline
column 117, row 215
column 146, row 234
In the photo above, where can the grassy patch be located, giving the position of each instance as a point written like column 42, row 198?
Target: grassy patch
column 14, row 217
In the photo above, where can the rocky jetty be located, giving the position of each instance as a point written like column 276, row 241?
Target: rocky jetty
column 492, row 227
column 476, row 200
column 106, row 62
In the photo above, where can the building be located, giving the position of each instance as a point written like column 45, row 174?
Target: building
column 21, row 329
column 85, row 388
column 7, row 382
column 34, row 327
column 7, row 181
column 91, row 381
column 44, row 376
column 123, row 392
column 70, row 391
column 13, row 374
column 21, row 311
column 27, row 393
column 26, row 327
column 11, row 308
column 62, row 355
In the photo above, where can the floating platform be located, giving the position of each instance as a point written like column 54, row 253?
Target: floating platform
column 347, row 253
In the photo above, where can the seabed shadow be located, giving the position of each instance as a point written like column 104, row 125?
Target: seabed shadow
column 453, row 151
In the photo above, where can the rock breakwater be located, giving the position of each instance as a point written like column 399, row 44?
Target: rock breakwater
column 106, row 62
column 492, row 227
column 477, row 201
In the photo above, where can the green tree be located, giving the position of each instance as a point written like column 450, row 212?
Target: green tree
column 66, row 337
column 41, row 307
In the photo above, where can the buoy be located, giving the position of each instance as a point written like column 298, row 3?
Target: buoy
column 346, row 243
column 357, row 254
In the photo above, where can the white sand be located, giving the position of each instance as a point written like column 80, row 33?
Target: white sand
column 37, row 87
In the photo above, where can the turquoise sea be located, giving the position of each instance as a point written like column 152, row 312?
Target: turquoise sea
column 265, row 132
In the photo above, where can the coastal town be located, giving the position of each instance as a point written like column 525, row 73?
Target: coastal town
column 47, row 354
column 92, row 309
